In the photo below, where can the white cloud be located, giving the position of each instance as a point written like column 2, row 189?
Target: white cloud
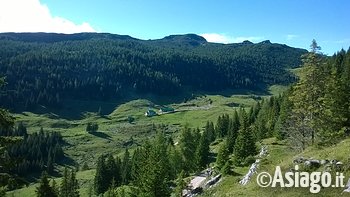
column 32, row 16
column 218, row 38
column 222, row 38
column 291, row 36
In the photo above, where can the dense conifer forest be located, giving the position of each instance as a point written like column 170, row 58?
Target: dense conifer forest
column 45, row 69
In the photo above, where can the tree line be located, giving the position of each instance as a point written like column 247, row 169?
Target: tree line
column 69, row 186
column 29, row 153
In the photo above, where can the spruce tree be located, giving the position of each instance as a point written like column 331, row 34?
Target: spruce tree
column 187, row 147
column 65, row 186
column 210, row 129
column 74, row 185
column 180, row 184
column 44, row 189
column 336, row 118
column 223, row 155
column 202, row 151
column 111, row 169
column 100, row 183
column 307, row 99
column 222, row 125
column 233, row 131
column 126, row 168
column 154, row 175
column 245, row 144
column 175, row 161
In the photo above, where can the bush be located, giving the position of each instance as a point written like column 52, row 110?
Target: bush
column 131, row 119
column 91, row 127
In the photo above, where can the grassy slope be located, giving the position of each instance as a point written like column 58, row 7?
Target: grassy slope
column 280, row 154
column 115, row 131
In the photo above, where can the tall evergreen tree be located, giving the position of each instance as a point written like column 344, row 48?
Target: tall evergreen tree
column 100, row 183
column 44, row 189
column 69, row 185
column 175, row 161
column 180, row 184
column 187, row 147
column 202, row 151
column 126, row 168
column 154, row 177
column 210, row 129
column 222, row 125
column 307, row 99
column 233, row 131
column 245, row 144
column 223, row 155
column 65, row 187
column 74, row 185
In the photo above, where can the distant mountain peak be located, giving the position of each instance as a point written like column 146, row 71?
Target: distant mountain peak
column 247, row 42
column 266, row 42
column 192, row 39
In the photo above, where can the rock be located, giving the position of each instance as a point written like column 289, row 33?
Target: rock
column 334, row 161
column 312, row 163
column 324, row 161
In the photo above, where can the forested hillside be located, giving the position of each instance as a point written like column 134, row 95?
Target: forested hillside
column 45, row 69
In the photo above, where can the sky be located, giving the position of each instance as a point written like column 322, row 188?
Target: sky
column 291, row 22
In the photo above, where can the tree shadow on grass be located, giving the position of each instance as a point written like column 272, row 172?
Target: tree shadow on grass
column 101, row 135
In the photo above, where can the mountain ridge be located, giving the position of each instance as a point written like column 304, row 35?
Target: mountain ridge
column 57, row 37
column 44, row 68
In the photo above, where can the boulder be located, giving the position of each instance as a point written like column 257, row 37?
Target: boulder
column 314, row 163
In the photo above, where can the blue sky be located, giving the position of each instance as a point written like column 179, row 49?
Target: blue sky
column 293, row 22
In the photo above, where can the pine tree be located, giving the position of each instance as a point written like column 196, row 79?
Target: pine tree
column 202, row 151
column 223, row 155
column 65, row 187
column 209, row 128
column 187, row 147
column 49, row 165
column 111, row 169
column 74, row 185
column 285, row 111
column 44, row 189
column 126, row 168
column 233, row 131
column 154, row 174
column 196, row 135
column 6, row 123
column 307, row 99
column 336, row 118
column 222, row 125
column 180, row 184
column 245, row 144
column 175, row 161
column 100, row 183
column 69, row 185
